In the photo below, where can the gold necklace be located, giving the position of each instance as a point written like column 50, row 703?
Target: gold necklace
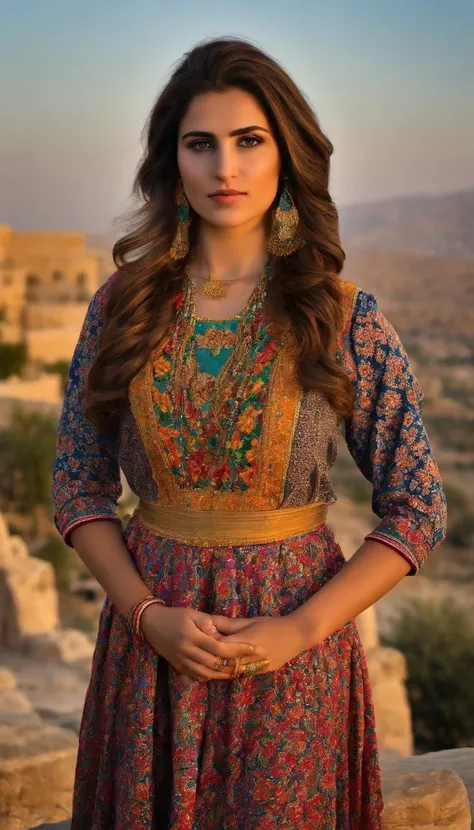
column 214, row 289
column 186, row 373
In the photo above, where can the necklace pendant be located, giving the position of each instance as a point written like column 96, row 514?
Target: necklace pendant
column 214, row 289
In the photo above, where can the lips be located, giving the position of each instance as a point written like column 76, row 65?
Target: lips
column 228, row 193
column 227, row 197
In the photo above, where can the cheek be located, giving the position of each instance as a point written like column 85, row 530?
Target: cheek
column 263, row 177
column 191, row 169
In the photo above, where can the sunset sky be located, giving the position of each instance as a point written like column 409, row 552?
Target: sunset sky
column 392, row 82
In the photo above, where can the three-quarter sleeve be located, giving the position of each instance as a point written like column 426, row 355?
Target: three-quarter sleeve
column 86, row 472
column 387, row 438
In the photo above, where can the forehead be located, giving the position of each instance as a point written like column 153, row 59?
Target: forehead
column 222, row 112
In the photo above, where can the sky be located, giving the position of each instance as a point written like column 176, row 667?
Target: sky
column 391, row 81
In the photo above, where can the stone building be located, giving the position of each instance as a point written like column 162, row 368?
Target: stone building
column 46, row 282
column 47, row 268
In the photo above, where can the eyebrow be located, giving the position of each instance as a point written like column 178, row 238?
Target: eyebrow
column 240, row 131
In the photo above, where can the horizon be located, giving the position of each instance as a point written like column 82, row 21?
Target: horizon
column 389, row 86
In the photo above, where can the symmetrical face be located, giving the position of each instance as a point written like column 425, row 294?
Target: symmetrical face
column 226, row 143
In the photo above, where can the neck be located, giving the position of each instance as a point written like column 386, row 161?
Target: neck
column 230, row 253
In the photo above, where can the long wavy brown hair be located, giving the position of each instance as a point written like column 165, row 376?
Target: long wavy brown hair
column 305, row 285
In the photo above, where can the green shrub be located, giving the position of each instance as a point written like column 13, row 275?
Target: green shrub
column 13, row 359
column 437, row 640
column 461, row 531
column 57, row 553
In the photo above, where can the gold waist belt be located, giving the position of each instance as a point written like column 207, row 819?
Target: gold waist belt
column 212, row 528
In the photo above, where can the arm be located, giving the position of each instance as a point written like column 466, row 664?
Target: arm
column 86, row 478
column 388, row 441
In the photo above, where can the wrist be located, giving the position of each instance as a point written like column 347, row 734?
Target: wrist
column 157, row 608
column 306, row 628
column 136, row 613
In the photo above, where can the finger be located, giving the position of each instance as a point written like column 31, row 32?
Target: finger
column 198, row 671
column 221, row 648
column 229, row 625
column 207, row 626
column 209, row 660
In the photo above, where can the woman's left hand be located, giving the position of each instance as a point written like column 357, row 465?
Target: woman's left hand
column 277, row 639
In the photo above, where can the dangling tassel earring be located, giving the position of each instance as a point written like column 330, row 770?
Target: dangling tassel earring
column 285, row 236
column 180, row 245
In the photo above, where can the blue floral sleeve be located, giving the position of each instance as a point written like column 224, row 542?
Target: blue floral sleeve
column 86, row 473
column 387, row 438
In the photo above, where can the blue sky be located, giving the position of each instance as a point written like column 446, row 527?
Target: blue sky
column 392, row 84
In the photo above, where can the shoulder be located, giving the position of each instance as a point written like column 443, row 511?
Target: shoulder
column 363, row 319
column 367, row 335
column 98, row 300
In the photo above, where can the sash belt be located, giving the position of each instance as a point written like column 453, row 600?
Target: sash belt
column 214, row 528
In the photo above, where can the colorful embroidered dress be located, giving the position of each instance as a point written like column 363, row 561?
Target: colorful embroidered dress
column 294, row 748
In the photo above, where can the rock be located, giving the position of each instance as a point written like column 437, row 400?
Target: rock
column 28, row 596
column 417, row 796
column 367, row 625
column 59, row 825
column 387, row 671
column 56, row 690
column 18, row 548
column 7, row 679
column 67, row 645
column 37, row 764
column 13, row 701
column 4, row 540
column 459, row 761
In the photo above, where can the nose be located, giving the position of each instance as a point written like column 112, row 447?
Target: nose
column 226, row 163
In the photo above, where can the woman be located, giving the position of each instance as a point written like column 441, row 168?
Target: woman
column 229, row 688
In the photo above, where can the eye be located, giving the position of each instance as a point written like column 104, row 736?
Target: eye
column 251, row 138
column 200, row 143
column 195, row 144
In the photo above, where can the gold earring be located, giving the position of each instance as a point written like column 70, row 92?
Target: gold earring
column 180, row 245
column 285, row 236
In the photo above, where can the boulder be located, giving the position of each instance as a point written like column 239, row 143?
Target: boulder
column 37, row 764
column 387, row 671
column 425, row 800
column 435, row 790
column 7, row 679
column 12, row 701
column 67, row 645
column 28, row 596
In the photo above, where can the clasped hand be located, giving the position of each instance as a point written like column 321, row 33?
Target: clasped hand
column 277, row 639
column 193, row 641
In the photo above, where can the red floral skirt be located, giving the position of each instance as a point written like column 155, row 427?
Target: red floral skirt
column 294, row 748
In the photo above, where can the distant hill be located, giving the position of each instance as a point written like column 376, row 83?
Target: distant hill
column 441, row 225
column 417, row 290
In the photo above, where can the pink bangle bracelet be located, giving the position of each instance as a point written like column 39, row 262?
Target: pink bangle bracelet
column 134, row 616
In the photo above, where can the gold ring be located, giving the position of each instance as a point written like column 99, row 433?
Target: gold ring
column 254, row 668
column 221, row 662
column 235, row 671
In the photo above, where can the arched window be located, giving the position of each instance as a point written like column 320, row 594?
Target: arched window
column 81, row 279
column 57, row 276
column 32, row 280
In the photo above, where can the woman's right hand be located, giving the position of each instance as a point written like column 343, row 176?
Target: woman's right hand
column 175, row 633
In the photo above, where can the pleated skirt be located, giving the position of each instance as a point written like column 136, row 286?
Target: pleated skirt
column 294, row 748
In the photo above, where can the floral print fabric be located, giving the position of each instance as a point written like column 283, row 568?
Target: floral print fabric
column 388, row 440
column 294, row 748
column 193, row 439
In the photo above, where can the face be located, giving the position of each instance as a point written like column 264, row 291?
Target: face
column 226, row 143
